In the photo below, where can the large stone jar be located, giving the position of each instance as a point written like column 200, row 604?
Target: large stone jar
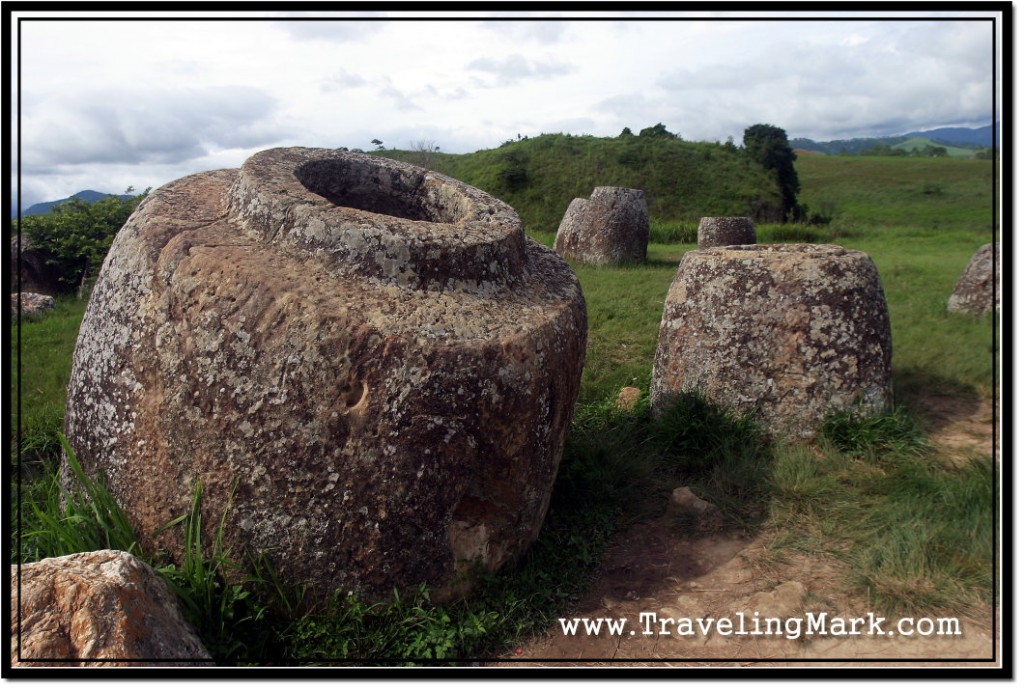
column 790, row 333
column 367, row 366
column 612, row 227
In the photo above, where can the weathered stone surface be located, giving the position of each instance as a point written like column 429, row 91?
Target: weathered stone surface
column 791, row 332
column 684, row 498
column 697, row 515
column 102, row 609
column 718, row 231
column 628, row 397
column 32, row 304
column 371, row 357
column 611, row 227
column 32, row 267
column 975, row 291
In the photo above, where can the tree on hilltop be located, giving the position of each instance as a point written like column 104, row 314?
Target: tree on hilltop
column 769, row 146
column 658, row 131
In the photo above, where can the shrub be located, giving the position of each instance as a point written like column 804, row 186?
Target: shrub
column 78, row 234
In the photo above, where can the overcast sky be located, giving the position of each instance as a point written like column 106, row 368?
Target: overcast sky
column 108, row 104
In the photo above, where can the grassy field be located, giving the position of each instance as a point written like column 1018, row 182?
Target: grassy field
column 912, row 525
column 920, row 195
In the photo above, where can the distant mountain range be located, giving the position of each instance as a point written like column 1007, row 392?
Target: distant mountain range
column 951, row 137
column 85, row 195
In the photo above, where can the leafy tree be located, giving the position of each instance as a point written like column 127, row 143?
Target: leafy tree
column 934, row 151
column 769, row 146
column 78, row 234
column 658, row 131
column 626, row 132
column 513, row 173
column 884, row 150
column 377, row 143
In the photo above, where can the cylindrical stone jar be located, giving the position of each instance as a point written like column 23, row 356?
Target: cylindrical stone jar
column 718, row 231
column 367, row 366
column 612, row 227
column 788, row 332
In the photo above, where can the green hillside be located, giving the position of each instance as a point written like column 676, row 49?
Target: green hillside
column 683, row 181
column 920, row 143
column 879, row 192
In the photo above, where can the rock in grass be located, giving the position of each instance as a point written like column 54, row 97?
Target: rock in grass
column 718, row 231
column 789, row 333
column 104, row 609
column 975, row 291
column 32, row 304
column 628, row 397
column 34, row 268
column 684, row 498
column 612, row 227
column 368, row 366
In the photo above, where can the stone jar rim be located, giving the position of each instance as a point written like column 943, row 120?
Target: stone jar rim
column 751, row 250
column 385, row 220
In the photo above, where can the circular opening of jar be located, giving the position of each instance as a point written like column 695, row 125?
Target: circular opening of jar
column 378, row 189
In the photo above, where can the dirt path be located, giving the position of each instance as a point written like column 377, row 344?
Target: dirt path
column 657, row 578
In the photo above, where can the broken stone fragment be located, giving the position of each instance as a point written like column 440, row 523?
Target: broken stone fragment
column 102, row 609
column 31, row 304
column 684, row 499
column 975, row 291
column 612, row 227
column 628, row 397
column 368, row 366
column 789, row 333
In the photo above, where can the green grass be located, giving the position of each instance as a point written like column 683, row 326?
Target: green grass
column 624, row 306
column 920, row 195
column 912, row 527
column 47, row 344
column 914, row 530
column 60, row 521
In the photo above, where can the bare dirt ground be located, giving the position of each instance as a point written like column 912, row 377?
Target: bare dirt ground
column 658, row 570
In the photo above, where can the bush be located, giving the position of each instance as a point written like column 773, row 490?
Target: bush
column 78, row 234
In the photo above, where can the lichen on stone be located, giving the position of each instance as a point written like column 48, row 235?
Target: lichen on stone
column 789, row 333
column 352, row 354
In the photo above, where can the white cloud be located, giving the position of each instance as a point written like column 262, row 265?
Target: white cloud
column 107, row 104
column 343, row 79
column 171, row 125
column 543, row 32
column 400, row 100
column 513, row 68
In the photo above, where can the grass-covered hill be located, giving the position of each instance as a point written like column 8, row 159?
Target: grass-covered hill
column 682, row 181
column 919, row 143
column 959, row 142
